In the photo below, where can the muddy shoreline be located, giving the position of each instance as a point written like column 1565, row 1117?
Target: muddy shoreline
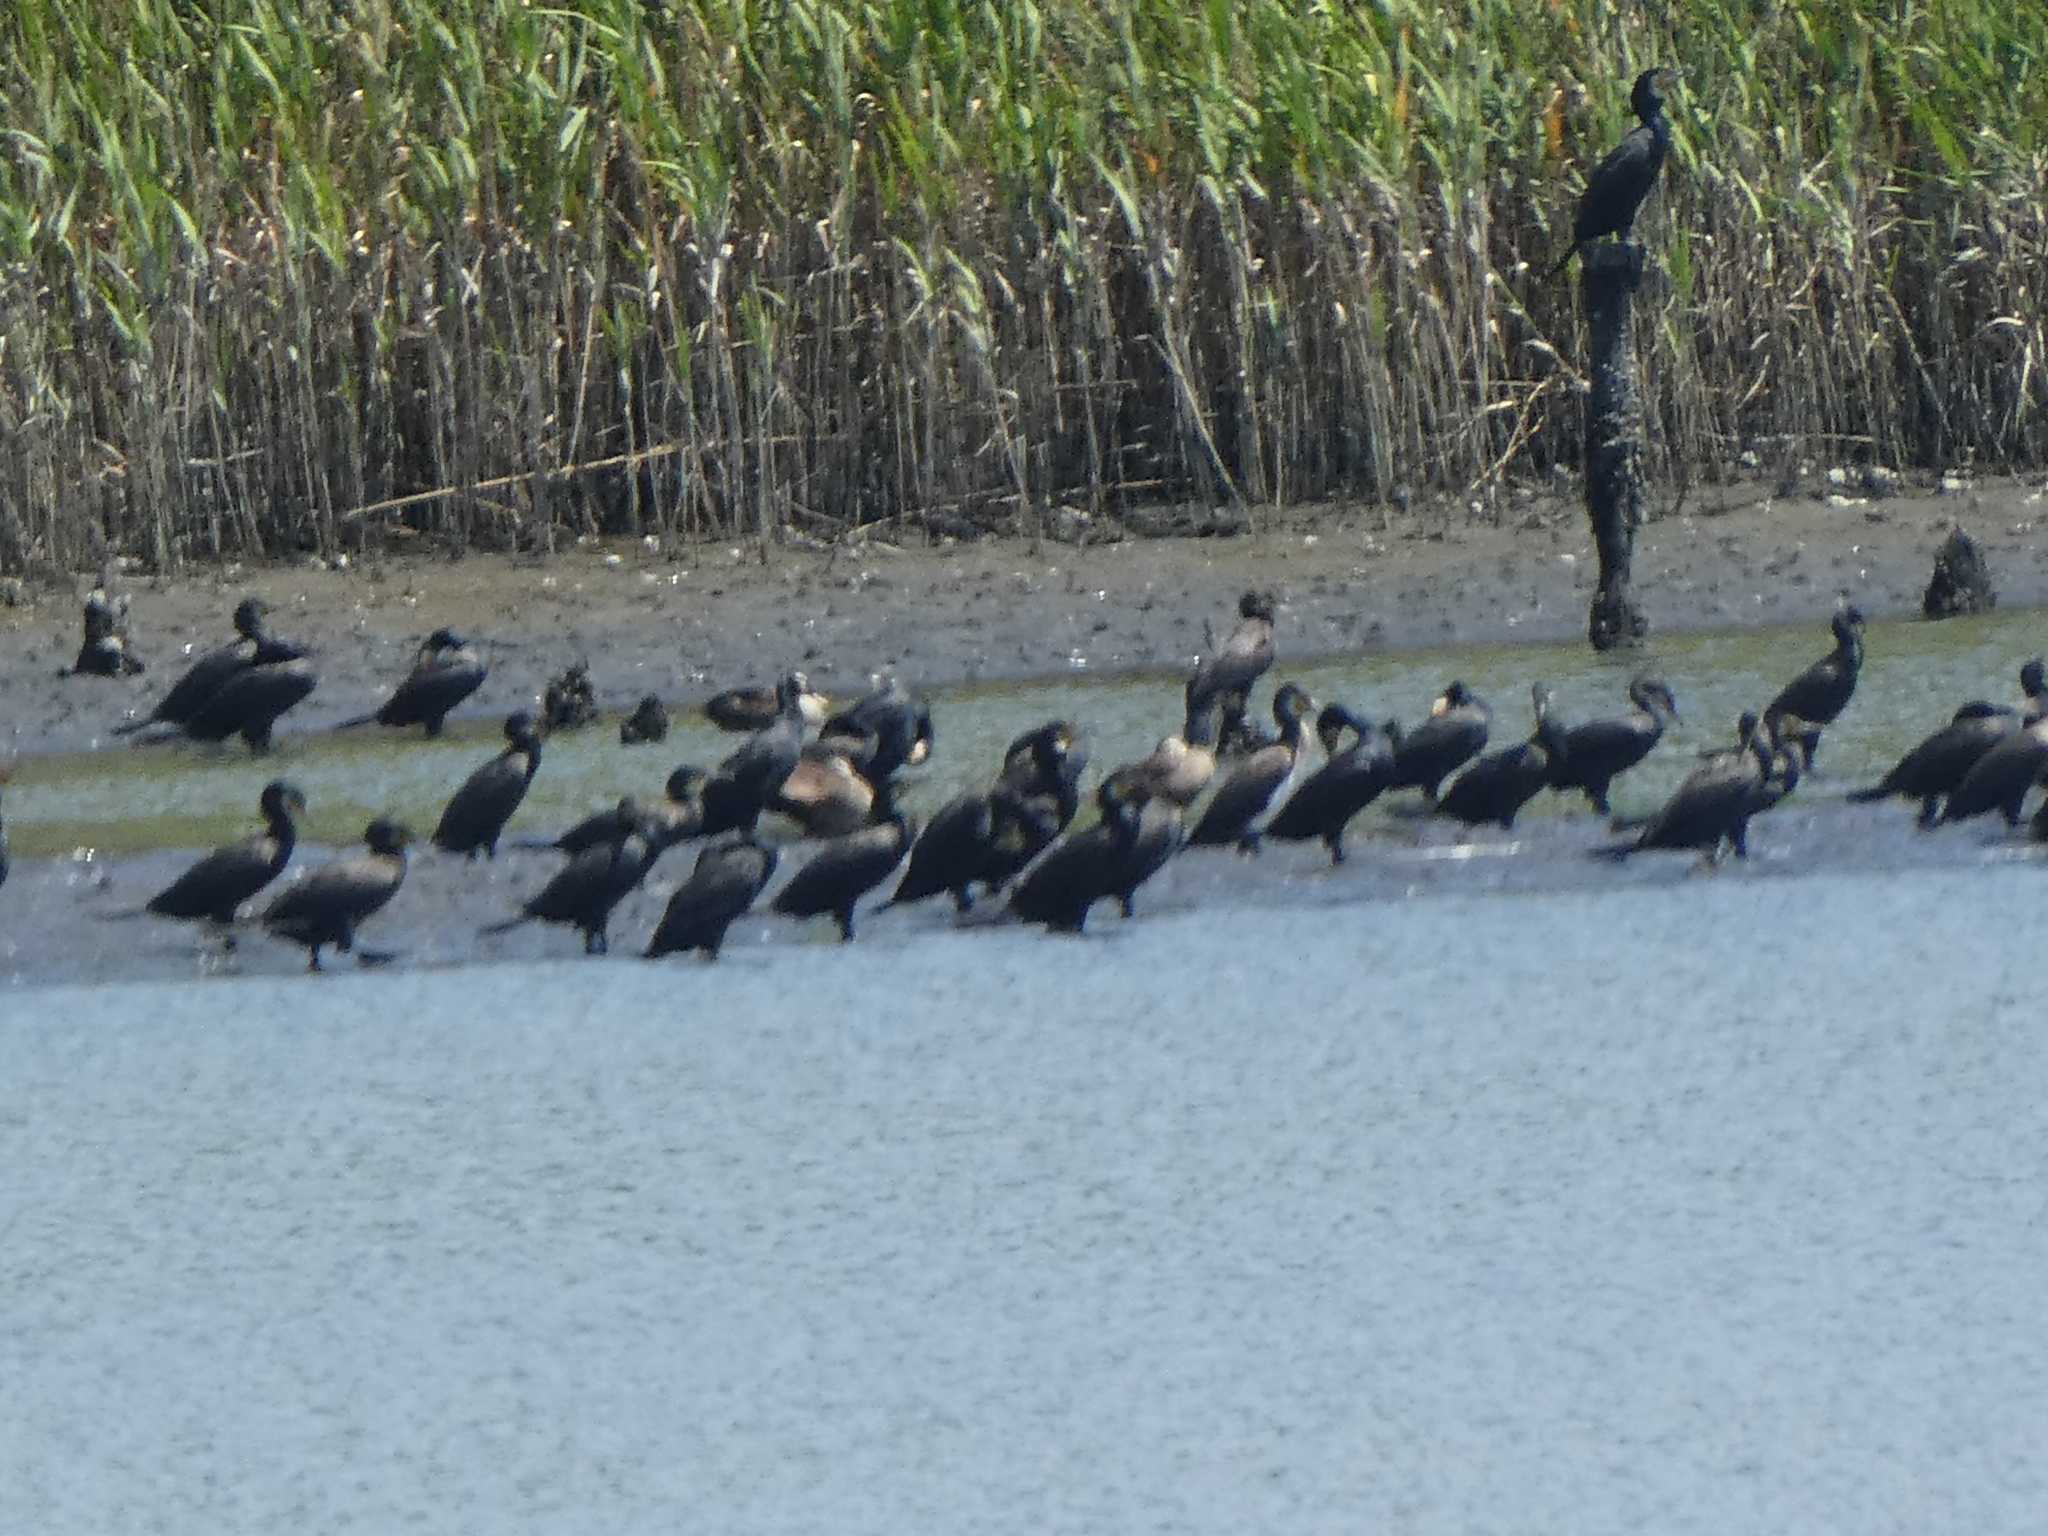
column 683, row 624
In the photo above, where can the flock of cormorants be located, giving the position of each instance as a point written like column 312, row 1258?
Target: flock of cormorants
column 835, row 775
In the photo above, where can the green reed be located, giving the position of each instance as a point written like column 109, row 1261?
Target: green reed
column 280, row 278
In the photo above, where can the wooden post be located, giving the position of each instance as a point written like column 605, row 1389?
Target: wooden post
column 1614, row 420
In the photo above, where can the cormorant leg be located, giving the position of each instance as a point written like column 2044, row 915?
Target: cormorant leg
column 313, row 958
column 1129, row 907
column 1930, row 812
column 845, row 916
column 1599, row 799
column 963, row 900
column 1336, row 845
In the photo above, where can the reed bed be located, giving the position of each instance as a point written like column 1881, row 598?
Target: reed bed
column 281, row 277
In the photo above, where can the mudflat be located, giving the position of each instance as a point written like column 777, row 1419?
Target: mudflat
column 686, row 622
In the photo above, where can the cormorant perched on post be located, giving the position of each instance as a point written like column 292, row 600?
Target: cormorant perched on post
column 584, row 892
column 1498, row 785
column 1622, row 180
column 254, row 646
column 728, row 876
column 476, row 815
column 214, row 888
column 1453, row 735
column 446, row 671
column 1935, row 768
column 1816, row 696
column 1262, row 783
column 331, row 903
column 1598, row 752
column 844, row 870
column 3, row 836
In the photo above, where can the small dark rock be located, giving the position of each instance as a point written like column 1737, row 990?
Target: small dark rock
column 1962, row 581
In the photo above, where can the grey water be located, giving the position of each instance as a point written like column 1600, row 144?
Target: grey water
column 1720, row 1207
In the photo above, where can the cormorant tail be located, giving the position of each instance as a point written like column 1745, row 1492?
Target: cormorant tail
column 1874, row 792
column 507, row 925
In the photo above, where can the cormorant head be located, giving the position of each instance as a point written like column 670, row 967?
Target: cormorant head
column 1848, row 621
column 1745, row 727
column 387, row 836
column 249, row 613
column 281, row 797
column 923, row 737
column 790, row 691
column 1647, row 99
column 1291, row 705
column 1331, row 725
column 444, row 640
column 684, row 782
column 2032, row 683
column 1257, row 605
column 522, row 728
column 1454, row 697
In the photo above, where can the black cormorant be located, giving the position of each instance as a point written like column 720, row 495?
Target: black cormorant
column 747, row 780
column 755, row 708
column 446, row 671
column 332, row 902
column 206, row 676
column 1242, row 659
column 1328, row 799
column 886, row 730
column 476, row 816
column 1622, row 180
column 677, row 817
column 730, row 873
column 648, row 723
column 1713, row 806
column 103, row 649
column 214, row 888
column 2000, row 779
column 1496, row 787
column 985, row 837
column 1158, row 833
column 1598, row 752
column 584, row 892
column 1086, row 866
column 1260, row 785
column 1813, row 699
column 3, row 838
column 1452, row 736
column 843, row 870
column 249, row 703
column 1933, row 769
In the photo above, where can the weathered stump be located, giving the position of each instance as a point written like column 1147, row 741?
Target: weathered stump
column 1614, row 421
column 1961, row 582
